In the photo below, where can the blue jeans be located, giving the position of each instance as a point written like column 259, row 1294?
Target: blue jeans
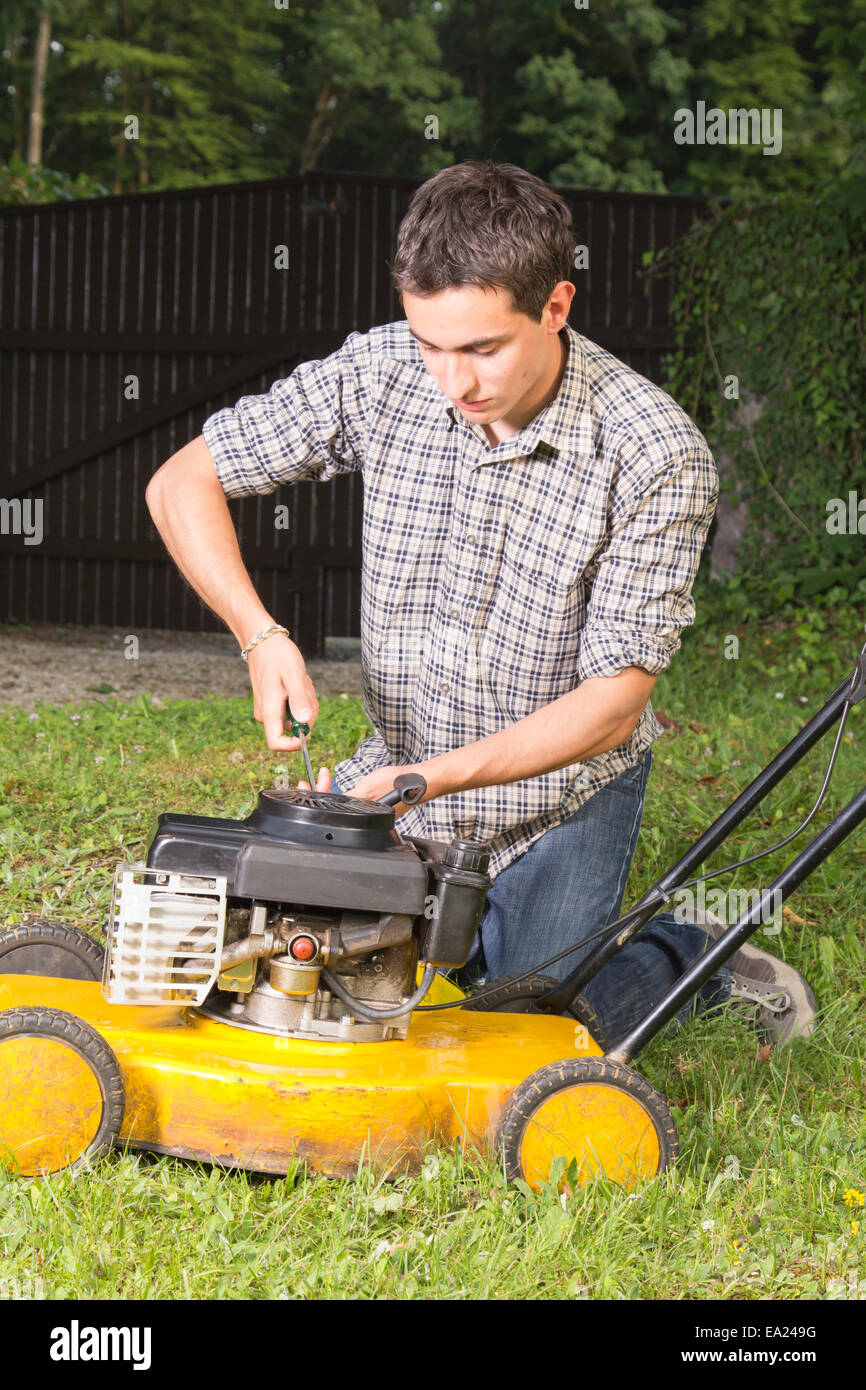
column 569, row 884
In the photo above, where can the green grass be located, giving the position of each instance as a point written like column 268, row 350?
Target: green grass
column 769, row 1144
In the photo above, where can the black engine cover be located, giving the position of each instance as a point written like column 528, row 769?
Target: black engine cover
column 318, row 849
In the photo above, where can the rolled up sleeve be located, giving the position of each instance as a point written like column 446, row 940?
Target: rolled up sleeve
column 641, row 591
column 310, row 425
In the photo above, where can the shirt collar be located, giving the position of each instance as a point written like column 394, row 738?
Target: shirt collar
column 564, row 424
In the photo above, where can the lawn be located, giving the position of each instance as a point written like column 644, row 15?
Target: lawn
column 765, row 1200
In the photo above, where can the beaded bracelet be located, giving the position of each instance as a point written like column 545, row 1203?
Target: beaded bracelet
column 260, row 637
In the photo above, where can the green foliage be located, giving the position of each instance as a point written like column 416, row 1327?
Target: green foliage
column 356, row 78
column 759, row 57
column 582, row 97
column 373, row 74
column 773, row 294
column 23, row 183
column 198, row 121
column 572, row 122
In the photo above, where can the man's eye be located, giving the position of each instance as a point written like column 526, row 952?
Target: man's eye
column 478, row 352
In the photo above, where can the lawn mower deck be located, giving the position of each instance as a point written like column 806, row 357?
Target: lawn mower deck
column 205, row 1090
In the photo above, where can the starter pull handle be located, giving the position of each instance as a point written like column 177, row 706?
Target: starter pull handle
column 408, row 788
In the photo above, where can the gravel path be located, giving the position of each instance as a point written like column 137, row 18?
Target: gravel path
column 54, row 663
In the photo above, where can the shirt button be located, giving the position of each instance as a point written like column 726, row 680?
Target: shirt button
column 472, row 540
column 454, row 613
column 444, row 687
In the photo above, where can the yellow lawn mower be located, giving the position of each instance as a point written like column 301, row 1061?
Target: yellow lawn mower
column 273, row 990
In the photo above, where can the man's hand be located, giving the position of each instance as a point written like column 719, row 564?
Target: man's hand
column 278, row 675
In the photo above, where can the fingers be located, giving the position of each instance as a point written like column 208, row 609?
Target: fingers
column 302, row 698
column 275, row 736
column 323, row 782
column 282, row 690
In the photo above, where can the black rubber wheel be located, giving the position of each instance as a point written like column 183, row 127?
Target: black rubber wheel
column 62, row 1088
column 39, row 946
column 510, row 995
column 611, row 1120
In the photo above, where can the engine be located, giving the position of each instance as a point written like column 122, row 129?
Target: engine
column 308, row 919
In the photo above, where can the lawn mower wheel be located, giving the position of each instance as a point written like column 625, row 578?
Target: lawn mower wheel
column 38, row 946
column 602, row 1116
column 62, row 1090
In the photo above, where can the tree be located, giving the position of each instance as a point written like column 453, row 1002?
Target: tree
column 571, row 121
column 374, row 91
column 172, row 96
column 575, row 95
column 227, row 90
column 20, row 21
column 37, row 89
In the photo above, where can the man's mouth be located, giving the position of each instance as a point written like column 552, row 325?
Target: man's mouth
column 474, row 405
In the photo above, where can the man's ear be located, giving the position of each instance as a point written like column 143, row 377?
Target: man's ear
column 559, row 303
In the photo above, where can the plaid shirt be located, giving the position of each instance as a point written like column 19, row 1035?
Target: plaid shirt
column 494, row 580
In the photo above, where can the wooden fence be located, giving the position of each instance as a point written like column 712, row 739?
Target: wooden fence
column 126, row 321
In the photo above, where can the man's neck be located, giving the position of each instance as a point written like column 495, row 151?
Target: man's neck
column 544, row 393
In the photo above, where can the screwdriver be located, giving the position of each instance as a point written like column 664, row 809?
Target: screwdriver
column 298, row 731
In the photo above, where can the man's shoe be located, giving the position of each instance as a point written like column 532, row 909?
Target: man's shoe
column 775, row 995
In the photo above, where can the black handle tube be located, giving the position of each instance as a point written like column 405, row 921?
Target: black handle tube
column 409, row 787
column 558, row 1000
column 790, row 878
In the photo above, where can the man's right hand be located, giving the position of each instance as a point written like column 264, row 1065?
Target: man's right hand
column 278, row 676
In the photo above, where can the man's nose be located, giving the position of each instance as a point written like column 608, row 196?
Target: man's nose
column 458, row 379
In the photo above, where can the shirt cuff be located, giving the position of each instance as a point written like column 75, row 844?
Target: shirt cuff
column 237, row 467
column 606, row 652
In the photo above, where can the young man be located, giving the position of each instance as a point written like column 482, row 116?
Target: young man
column 534, row 514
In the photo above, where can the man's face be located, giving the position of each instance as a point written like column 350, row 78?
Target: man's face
column 489, row 359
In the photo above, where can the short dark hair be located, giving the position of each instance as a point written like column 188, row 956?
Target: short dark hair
column 490, row 225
